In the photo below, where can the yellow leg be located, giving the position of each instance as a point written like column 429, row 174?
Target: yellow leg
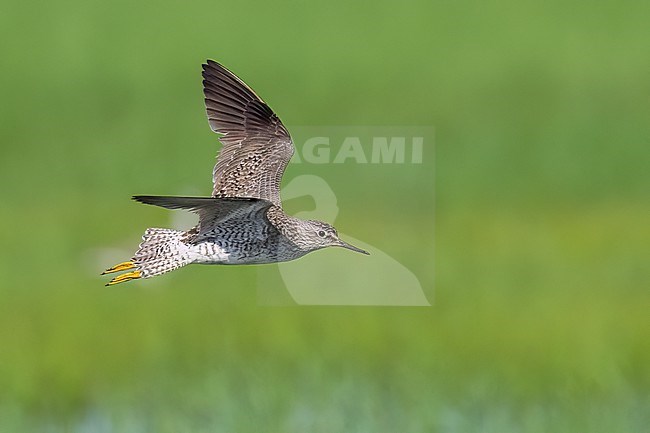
column 125, row 266
column 134, row 275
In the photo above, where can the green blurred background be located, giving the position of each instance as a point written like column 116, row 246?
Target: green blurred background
column 540, row 319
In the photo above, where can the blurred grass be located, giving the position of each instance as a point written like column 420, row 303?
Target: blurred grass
column 540, row 320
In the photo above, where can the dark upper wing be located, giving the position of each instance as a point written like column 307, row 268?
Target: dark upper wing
column 256, row 146
column 212, row 210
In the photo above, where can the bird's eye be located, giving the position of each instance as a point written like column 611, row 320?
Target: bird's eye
column 321, row 234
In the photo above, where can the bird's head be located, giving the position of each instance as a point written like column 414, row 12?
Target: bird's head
column 315, row 235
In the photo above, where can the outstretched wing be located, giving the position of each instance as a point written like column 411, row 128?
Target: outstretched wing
column 212, row 210
column 256, row 146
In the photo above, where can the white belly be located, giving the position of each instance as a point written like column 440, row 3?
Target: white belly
column 209, row 253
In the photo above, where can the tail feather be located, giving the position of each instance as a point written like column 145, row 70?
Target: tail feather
column 161, row 251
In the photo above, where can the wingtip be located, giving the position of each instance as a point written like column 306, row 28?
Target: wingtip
column 211, row 64
column 147, row 199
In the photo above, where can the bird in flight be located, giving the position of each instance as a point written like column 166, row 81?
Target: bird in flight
column 243, row 221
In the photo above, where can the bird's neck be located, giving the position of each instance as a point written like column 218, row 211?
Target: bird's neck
column 285, row 224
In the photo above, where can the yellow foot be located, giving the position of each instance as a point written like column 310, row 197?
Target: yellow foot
column 125, row 277
column 125, row 266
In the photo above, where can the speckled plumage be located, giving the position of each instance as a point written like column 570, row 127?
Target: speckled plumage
column 243, row 222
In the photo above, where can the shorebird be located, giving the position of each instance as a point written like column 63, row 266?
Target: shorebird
column 243, row 221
